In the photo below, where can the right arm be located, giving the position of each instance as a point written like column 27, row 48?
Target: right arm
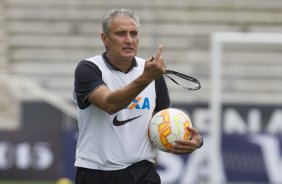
column 114, row 101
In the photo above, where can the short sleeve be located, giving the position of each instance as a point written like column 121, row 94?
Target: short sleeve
column 162, row 95
column 88, row 77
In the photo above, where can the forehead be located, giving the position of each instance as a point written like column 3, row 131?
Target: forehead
column 122, row 22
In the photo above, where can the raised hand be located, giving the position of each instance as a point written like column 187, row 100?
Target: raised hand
column 155, row 65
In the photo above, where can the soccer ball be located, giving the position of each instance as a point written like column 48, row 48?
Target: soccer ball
column 166, row 126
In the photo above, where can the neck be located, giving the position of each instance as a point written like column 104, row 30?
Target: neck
column 120, row 63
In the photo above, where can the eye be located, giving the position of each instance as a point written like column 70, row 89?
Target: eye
column 134, row 33
column 120, row 33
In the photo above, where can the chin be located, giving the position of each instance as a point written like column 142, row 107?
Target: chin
column 131, row 55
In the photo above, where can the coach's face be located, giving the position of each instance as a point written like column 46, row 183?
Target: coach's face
column 122, row 39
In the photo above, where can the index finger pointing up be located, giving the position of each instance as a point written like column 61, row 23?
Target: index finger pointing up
column 158, row 53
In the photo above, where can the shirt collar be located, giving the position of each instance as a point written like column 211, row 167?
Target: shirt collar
column 109, row 64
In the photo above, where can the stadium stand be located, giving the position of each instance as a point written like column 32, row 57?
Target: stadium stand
column 44, row 40
column 7, row 102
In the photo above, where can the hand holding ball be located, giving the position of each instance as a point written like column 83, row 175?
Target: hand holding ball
column 167, row 126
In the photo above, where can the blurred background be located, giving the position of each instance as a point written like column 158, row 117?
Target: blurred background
column 238, row 110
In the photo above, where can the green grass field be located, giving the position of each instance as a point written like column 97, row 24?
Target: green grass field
column 27, row 182
column 60, row 181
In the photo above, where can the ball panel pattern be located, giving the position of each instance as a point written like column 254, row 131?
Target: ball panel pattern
column 167, row 126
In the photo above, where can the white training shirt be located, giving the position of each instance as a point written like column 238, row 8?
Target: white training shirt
column 103, row 144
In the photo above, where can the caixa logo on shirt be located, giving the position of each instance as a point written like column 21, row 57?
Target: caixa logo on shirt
column 139, row 103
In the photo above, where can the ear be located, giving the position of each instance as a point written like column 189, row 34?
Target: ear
column 104, row 38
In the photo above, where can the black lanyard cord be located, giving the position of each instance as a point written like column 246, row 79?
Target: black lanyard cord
column 183, row 76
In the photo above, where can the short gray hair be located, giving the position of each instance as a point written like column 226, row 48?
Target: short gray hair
column 108, row 17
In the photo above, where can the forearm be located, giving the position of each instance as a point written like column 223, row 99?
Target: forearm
column 119, row 99
column 114, row 101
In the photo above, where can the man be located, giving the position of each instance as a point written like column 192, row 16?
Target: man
column 117, row 93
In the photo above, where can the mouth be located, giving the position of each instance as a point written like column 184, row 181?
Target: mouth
column 127, row 49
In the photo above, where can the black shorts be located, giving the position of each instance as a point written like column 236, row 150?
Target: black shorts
column 143, row 172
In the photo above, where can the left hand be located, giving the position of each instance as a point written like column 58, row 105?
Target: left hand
column 188, row 146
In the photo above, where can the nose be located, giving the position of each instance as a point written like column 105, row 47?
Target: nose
column 128, row 38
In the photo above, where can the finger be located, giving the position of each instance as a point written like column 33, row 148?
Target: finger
column 182, row 143
column 193, row 130
column 181, row 152
column 177, row 149
column 150, row 59
column 158, row 53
